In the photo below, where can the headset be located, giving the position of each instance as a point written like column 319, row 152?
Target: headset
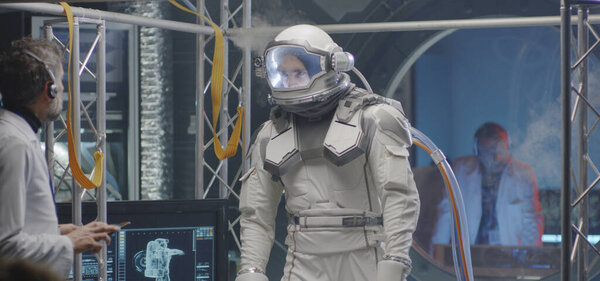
column 53, row 91
column 495, row 127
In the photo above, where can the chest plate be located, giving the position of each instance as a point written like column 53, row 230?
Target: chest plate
column 342, row 142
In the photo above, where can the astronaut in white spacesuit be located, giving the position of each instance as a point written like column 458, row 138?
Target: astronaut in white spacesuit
column 341, row 155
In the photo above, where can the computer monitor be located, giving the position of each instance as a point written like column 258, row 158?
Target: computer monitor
column 166, row 240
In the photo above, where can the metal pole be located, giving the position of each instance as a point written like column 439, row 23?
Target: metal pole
column 565, row 61
column 246, row 87
column 223, row 191
column 415, row 25
column 442, row 24
column 110, row 16
column 583, row 211
column 101, row 129
column 199, row 184
column 332, row 28
column 49, row 126
column 75, row 126
column 133, row 134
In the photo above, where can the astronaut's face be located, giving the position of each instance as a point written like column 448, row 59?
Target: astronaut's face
column 294, row 72
column 290, row 67
column 492, row 154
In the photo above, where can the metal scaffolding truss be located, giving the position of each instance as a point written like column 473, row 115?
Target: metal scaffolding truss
column 218, row 171
column 78, row 108
column 577, row 118
column 98, row 130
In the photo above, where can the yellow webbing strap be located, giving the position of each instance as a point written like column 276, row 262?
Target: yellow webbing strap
column 216, row 86
column 78, row 174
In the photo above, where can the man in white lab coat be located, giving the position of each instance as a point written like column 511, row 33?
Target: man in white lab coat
column 500, row 194
column 31, row 91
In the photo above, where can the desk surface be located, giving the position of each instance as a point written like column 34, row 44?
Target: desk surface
column 504, row 262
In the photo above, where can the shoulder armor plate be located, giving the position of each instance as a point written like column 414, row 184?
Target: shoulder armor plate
column 282, row 150
column 345, row 138
column 393, row 123
column 354, row 101
column 344, row 141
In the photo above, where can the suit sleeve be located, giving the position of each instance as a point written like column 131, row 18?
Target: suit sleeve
column 259, row 198
column 393, row 178
column 54, row 250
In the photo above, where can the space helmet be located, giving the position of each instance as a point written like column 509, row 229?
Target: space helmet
column 304, row 69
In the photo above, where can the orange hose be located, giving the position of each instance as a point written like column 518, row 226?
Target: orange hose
column 454, row 209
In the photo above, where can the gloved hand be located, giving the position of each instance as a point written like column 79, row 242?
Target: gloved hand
column 389, row 270
column 251, row 274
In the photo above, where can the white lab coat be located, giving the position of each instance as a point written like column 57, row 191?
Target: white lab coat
column 28, row 226
column 518, row 208
column 379, row 182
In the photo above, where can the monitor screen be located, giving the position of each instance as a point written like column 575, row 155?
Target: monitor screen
column 166, row 240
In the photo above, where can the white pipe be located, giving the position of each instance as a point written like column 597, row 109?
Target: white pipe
column 110, row 16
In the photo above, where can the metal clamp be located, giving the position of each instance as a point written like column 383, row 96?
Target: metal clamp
column 437, row 156
column 401, row 260
column 250, row 270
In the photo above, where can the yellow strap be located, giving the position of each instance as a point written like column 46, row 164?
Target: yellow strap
column 78, row 174
column 216, row 86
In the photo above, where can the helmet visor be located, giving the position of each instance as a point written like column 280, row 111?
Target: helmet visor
column 292, row 67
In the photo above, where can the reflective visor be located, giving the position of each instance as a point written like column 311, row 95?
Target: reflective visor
column 291, row 67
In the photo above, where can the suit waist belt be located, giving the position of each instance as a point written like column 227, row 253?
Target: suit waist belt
column 336, row 221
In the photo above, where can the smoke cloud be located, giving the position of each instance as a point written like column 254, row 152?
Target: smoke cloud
column 268, row 14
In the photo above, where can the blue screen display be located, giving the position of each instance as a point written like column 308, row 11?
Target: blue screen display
column 166, row 240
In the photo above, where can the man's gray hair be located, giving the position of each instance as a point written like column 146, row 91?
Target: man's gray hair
column 22, row 77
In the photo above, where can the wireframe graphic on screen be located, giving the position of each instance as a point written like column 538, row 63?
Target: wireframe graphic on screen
column 164, row 254
column 161, row 254
column 157, row 258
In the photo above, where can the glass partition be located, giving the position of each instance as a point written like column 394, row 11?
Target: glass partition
column 490, row 99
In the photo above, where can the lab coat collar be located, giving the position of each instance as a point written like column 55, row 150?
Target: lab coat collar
column 26, row 114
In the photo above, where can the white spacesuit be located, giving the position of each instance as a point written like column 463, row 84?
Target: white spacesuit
column 340, row 153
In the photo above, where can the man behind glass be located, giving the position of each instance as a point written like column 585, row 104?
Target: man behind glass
column 500, row 194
